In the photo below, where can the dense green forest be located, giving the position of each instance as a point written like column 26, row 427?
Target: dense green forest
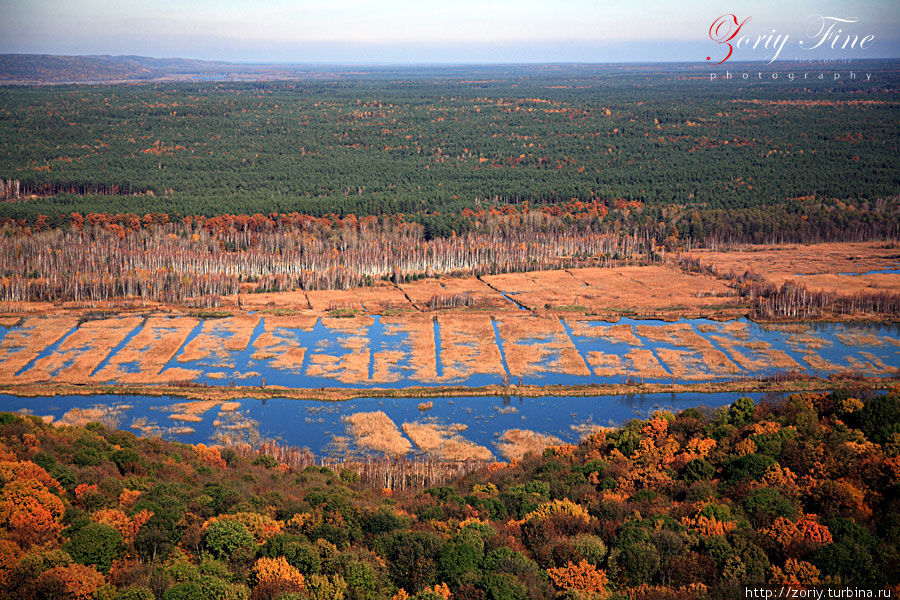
column 799, row 491
column 726, row 159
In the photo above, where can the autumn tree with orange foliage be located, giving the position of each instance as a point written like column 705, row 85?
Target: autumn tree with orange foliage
column 72, row 582
column 30, row 512
column 275, row 576
column 582, row 577
column 127, row 526
column 209, row 456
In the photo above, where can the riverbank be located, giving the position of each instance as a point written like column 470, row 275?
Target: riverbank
column 343, row 394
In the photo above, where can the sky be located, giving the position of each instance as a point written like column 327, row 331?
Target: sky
column 428, row 31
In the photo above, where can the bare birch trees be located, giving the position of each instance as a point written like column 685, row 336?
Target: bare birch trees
column 102, row 257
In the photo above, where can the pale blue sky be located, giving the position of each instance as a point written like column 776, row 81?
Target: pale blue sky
column 421, row 31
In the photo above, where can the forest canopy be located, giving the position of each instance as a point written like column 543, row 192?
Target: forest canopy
column 734, row 159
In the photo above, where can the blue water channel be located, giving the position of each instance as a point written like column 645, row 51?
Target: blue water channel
column 313, row 424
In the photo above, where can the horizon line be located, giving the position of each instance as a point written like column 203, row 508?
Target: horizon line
column 447, row 63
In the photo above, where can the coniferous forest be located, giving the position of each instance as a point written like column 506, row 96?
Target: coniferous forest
column 756, row 161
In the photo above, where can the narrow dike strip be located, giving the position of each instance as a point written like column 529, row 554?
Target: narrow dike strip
column 46, row 351
column 716, row 345
column 187, row 340
column 648, row 344
column 405, row 295
column 583, row 356
column 103, row 363
column 504, row 294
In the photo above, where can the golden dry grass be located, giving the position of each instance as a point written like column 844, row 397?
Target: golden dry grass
column 482, row 296
column 375, row 299
column 740, row 357
column 621, row 333
column 444, row 441
column 695, row 356
column 278, row 345
column 825, row 263
column 643, row 365
column 515, row 443
column 194, row 407
column 109, row 415
column 877, row 366
column 193, row 410
column 292, row 301
column 859, row 338
column 419, row 331
column 83, row 351
column 661, row 290
column 376, row 432
column 535, row 345
column 656, row 289
column 349, row 361
column 186, row 417
column 605, row 365
column 807, row 341
column 219, row 337
column 820, row 363
column 468, row 346
column 385, row 367
column 24, row 344
column 151, row 349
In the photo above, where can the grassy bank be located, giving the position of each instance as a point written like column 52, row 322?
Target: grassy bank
column 342, row 394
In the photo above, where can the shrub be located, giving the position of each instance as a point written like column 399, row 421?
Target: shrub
column 764, row 505
column 500, row 586
column 640, row 562
column 185, row 591
column 582, row 577
column 303, row 556
column 591, row 548
column 507, row 560
column 698, row 470
column 78, row 582
column 137, row 592
column 456, row 557
column 750, row 466
column 223, row 537
column 322, row 587
column 741, row 411
column 384, row 520
column 96, row 544
column 411, row 558
column 214, row 588
column 880, row 418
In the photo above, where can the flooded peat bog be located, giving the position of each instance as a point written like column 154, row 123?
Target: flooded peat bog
column 473, row 349
column 465, row 349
